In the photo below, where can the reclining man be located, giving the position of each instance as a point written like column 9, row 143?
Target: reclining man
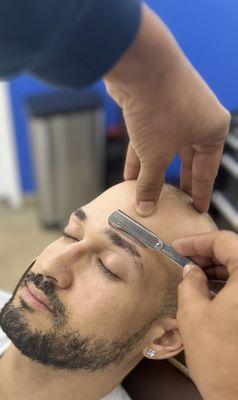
column 104, row 302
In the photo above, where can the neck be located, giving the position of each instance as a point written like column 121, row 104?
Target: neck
column 21, row 377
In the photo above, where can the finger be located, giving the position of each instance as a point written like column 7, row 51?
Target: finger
column 193, row 292
column 217, row 272
column 210, row 267
column 206, row 163
column 132, row 165
column 221, row 246
column 186, row 155
column 149, row 186
column 185, row 247
column 203, row 262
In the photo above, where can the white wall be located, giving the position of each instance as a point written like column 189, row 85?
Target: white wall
column 9, row 172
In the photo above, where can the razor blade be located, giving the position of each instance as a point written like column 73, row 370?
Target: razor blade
column 122, row 222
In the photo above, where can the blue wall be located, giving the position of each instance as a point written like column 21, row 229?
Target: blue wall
column 207, row 30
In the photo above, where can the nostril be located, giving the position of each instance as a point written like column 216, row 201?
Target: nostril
column 61, row 280
column 51, row 278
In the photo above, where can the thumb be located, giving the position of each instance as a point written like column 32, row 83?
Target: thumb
column 149, row 185
column 193, row 292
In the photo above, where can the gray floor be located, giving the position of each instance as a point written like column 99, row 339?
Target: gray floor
column 21, row 239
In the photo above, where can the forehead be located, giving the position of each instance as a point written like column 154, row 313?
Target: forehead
column 165, row 221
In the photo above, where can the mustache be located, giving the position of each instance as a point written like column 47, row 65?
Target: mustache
column 48, row 288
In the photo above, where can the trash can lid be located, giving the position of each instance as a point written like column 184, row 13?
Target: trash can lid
column 63, row 101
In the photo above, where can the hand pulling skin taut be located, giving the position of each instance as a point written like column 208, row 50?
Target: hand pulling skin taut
column 122, row 222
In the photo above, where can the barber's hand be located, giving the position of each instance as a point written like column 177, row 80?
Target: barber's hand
column 209, row 328
column 168, row 108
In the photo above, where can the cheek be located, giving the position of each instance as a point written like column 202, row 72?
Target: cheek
column 103, row 308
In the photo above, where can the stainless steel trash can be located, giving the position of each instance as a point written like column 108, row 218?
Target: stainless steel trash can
column 68, row 138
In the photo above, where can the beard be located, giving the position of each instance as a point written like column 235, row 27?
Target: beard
column 60, row 347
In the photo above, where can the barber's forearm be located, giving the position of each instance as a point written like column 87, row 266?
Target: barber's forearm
column 152, row 57
column 155, row 62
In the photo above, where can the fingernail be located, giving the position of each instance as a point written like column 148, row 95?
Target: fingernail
column 178, row 242
column 187, row 269
column 146, row 208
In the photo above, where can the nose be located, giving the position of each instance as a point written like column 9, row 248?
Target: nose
column 57, row 272
column 58, row 267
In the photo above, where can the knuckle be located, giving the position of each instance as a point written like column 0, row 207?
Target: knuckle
column 227, row 117
column 147, row 187
column 224, row 122
column 132, row 165
column 157, row 160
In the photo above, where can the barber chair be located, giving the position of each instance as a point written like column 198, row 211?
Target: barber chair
column 159, row 380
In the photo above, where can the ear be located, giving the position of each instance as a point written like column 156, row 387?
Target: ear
column 165, row 343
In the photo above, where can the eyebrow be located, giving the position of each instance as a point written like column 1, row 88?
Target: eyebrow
column 118, row 241
column 124, row 244
column 81, row 215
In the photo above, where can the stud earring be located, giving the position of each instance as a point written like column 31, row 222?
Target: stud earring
column 151, row 353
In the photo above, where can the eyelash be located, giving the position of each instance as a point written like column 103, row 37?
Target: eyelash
column 100, row 263
column 106, row 271
column 65, row 235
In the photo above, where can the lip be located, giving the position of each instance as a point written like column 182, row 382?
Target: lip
column 36, row 297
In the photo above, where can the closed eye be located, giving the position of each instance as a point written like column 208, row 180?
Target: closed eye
column 100, row 263
column 106, row 270
column 67, row 236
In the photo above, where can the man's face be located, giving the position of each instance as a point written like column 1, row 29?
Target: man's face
column 103, row 290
